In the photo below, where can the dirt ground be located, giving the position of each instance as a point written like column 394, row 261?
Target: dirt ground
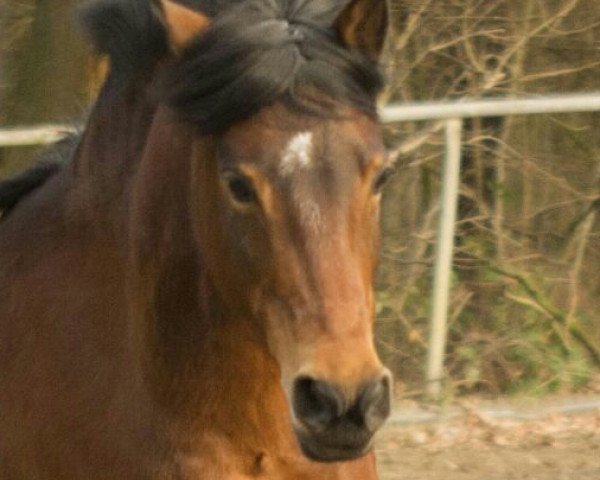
column 472, row 444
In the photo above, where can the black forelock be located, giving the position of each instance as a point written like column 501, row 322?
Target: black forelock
column 255, row 53
column 264, row 51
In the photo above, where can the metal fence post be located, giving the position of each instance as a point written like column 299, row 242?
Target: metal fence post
column 444, row 256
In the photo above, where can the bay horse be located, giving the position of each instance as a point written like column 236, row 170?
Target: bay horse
column 190, row 297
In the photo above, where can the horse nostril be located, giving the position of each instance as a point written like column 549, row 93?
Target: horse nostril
column 316, row 403
column 375, row 402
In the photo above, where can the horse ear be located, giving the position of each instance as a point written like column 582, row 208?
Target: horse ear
column 183, row 24
column 363, row 26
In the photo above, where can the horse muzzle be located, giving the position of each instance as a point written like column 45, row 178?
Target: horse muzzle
column 332, row 426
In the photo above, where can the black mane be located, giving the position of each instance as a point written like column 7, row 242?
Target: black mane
column 130, row 32
column 49, row 163
column 255, row 53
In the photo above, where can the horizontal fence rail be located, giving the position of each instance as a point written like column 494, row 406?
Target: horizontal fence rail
column 496, row 107
column 30, row 136
column 452, row 114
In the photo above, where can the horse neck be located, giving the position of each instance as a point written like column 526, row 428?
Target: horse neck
column 207, row 366
column 114, row 138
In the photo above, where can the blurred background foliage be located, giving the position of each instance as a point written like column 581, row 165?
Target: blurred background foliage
column 525, row 305
column 526, row 288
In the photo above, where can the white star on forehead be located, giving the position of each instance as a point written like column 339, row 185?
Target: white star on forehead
column 297, row 154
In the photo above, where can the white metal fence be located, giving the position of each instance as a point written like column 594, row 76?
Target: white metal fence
column 30, row 136
column 453, row 114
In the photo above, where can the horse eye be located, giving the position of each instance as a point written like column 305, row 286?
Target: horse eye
column 382, row 179
column 241, row 189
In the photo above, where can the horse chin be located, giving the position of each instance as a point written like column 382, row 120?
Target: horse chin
column 319, row 451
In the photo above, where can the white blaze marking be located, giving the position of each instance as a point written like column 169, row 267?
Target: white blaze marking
column 310, row 215
column 297, row 154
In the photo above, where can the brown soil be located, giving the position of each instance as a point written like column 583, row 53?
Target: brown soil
column 473, row 446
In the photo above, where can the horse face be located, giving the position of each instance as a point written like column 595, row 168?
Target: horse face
column 290, row 207
column 299, row 205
